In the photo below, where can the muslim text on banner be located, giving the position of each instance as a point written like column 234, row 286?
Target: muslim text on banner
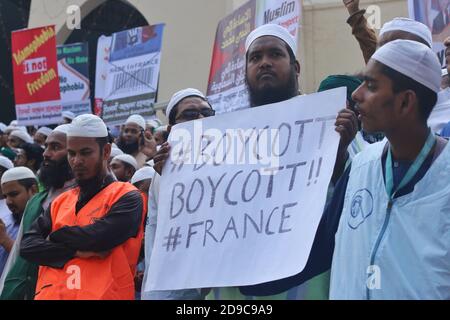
column 73, row 69
column 132, row 75
column 35, row 72
column 226, row 86
column 242, row 194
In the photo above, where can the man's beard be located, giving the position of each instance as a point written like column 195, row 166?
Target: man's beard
column 55, row 174
column 95, row 181
column 17, row 217
column 128, row 147
column 273, row 94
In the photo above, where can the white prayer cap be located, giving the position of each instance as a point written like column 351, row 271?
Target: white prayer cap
column 143, row 174
column 162, row 128
column 137, row 119
column 6, row 163
column 115, row 152
column 127, row 159
column 21, row 135
column 13, row 123
column 273, row 30
column 444, row 72
column 3, row 127
column 412, row 59
column 18, row 173
column 180, row 95
column 10, row 129
column 64, row 128
column 44, row 131
column 155, row 123
column 87, row 126
column 68, row 114
column 408, row 25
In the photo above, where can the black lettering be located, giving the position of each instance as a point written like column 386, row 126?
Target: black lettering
column 202, row 188
column 268, row 232
column 294, row 173
column 208, row 225
column 284, row 124
column 230, row 226
column 285, row 217
column 324, row 126
column 173, row 216
column 249, row 218
column 244, row 188
column 227, row 197
column 301, row 133
column 214, row 189
column 191, row 233
column 270, row 184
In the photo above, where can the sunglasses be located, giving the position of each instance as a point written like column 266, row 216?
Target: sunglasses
column 194, row 114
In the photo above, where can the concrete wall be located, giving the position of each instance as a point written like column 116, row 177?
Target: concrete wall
column 326, row 44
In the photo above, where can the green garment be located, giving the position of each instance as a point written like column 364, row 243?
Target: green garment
column 7, row 152
column 20, row 282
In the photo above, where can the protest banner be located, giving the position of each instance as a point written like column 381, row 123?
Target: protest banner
column 436, row 15
column 35, row 73
column 101, row 72
column 226, row 85
column 133, row 72
column 242, row 194
column 73, row 69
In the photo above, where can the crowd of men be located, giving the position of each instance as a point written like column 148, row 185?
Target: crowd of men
column 75, row 198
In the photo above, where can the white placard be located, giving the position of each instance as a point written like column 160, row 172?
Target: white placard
column 226, row 217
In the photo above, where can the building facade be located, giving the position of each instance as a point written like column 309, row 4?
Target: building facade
column 326, row 45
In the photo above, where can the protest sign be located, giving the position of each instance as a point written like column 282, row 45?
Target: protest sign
column 133, row 73
column 35, row 73
column 436, row 15
column 73, row 69
column 242, row 194
column 101, row 72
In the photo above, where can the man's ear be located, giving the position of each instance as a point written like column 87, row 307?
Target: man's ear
column 297, row 67
column 106, row 151
column 409, row 102
column 34, row 189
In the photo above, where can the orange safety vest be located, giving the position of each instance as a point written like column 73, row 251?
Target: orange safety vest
column 110, row 278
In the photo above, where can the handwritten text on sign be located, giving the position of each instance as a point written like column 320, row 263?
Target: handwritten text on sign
column 243, row 193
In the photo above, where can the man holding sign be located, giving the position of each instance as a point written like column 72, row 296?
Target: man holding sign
column 272, row 77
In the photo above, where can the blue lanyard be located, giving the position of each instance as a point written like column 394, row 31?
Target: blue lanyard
column 389, row 178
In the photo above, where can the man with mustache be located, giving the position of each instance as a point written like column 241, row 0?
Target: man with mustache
column 19, row 279
column 123, row 166
column 132, row 139
column 90, row 236
column 18, row 186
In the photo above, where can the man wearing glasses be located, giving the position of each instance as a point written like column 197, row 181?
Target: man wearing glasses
column 185, row 105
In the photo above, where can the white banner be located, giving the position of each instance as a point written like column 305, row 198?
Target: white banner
column 73, row 70
column 101, row 71
column 242, row 194
column 132, row 74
